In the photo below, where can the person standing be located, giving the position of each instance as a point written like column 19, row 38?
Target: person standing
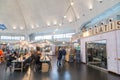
column 9, row 60
column 36, row 55
column 59, row 56
column 22, row 51
column 63, row 55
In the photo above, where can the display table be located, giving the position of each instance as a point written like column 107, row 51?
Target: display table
column 19, row 61
column 46, row 59
column 49, row 53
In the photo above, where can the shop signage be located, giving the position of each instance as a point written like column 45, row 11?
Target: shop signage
column 111, row 26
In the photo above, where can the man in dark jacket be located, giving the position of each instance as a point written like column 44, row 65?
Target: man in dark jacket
column 9, row 59
column 63, row 55
column 59, row 56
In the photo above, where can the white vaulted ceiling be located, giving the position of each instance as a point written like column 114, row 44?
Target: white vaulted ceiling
column 29, row 16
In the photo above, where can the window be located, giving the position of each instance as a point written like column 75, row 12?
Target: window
column 38, row 38
column 12, row 38
column 43, row 37
column 56, row 36
column 22, row 38
column 69, row 35
column 48, row 37
column 59, row 36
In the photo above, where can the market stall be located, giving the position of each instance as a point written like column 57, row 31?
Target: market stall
column 47, row 47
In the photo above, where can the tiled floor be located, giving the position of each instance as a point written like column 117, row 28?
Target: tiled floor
column 71, row 71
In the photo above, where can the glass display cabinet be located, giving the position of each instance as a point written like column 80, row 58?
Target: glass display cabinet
column 96, row 53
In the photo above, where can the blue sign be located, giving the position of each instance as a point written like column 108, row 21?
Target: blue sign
column 2, row 26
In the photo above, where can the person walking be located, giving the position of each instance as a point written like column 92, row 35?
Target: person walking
column 63, row 55
column 59, row 56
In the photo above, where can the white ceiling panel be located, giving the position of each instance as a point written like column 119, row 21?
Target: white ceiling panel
column 33, row 15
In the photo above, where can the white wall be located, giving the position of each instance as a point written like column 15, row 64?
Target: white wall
column 113, row 45
column 118, row 49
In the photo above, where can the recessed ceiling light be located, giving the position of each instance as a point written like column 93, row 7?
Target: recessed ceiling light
column 63, row 42
column 60, row 24
column 32, row 26
column 21, row 28
column 48, row 24
column 37, row 26
column 72, row 3
column 78, row 17
column 70, row 20
column 55, row 22
column 14, row 27
column 90, row 7
column 65, row 16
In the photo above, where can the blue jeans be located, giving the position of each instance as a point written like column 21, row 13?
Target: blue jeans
column 63, row 60
column 58, row 62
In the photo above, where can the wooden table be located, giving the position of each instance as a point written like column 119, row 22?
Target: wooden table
column 46, row 59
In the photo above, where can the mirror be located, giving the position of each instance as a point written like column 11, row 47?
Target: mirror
column 96, row 53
